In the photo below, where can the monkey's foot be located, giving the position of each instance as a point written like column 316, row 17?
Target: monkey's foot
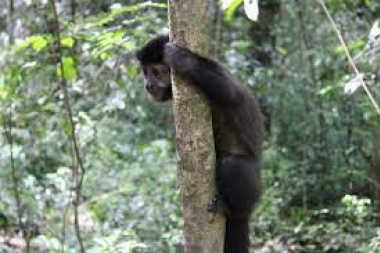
column 216, row 206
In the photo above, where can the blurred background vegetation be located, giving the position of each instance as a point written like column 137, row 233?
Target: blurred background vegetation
column 322, row 158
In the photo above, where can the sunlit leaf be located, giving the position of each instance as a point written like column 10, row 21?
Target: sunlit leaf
column 67, row 42
column 251, row 8
column 70, row 72
column 375, row 31
column 353, row 84
column 30, row 64
column 282, row 51
column 39, row 43
column 36, row 41
column 128, row 45
column 325, row 90
column 230, row 6
column 353, row 48
column 3, row 91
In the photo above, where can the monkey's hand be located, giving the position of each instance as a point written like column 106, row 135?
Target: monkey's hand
column 181, row 59
column 217, row 206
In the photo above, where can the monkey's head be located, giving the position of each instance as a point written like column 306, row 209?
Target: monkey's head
column 155, row 72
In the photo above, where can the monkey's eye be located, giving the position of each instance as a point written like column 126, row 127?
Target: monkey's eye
column 155, row 71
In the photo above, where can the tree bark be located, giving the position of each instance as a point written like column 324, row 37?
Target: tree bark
column 195, row 142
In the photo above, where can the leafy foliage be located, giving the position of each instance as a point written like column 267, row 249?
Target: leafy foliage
column 322, row 150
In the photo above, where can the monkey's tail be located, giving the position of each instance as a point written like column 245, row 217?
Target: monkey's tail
column 237, row 236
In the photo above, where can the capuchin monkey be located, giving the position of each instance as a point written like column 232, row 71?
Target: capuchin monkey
column 238, row 127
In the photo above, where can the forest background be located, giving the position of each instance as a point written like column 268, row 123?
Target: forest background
column 113, row 186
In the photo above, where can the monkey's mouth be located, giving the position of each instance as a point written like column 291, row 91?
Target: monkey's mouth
column 160, row 94
column 153, row 91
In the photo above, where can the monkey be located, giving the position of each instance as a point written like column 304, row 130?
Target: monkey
column 238, row 127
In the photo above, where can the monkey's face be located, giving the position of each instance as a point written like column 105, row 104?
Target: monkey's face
column 157, row 81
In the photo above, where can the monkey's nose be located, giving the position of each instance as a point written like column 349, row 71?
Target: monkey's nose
column 148, row 86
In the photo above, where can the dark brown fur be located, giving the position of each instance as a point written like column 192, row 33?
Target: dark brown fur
column 237, row 123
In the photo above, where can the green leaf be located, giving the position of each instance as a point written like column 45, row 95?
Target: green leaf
column 326, row 90
column 3, row 91
column 353, row 48
column 70, row 72
column 282, row 51
column 117, row 12
column 36, row 41
column 39, row 43
column 230, row 6
column 128, row 45
column 67, row 42
column 336, row 5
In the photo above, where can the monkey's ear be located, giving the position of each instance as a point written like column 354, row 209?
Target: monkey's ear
column 153, row 51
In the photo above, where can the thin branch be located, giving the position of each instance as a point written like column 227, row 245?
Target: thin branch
column 370, row 180
column 77, row 175
column 11, row 21
column 351, row 61
column 73, row 6
column 366, row 156
column 8, row 127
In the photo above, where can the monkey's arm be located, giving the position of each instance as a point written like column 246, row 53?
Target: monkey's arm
column 215, row 81
column 240, row 108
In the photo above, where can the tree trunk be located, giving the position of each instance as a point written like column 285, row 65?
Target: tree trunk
column 195, row 142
